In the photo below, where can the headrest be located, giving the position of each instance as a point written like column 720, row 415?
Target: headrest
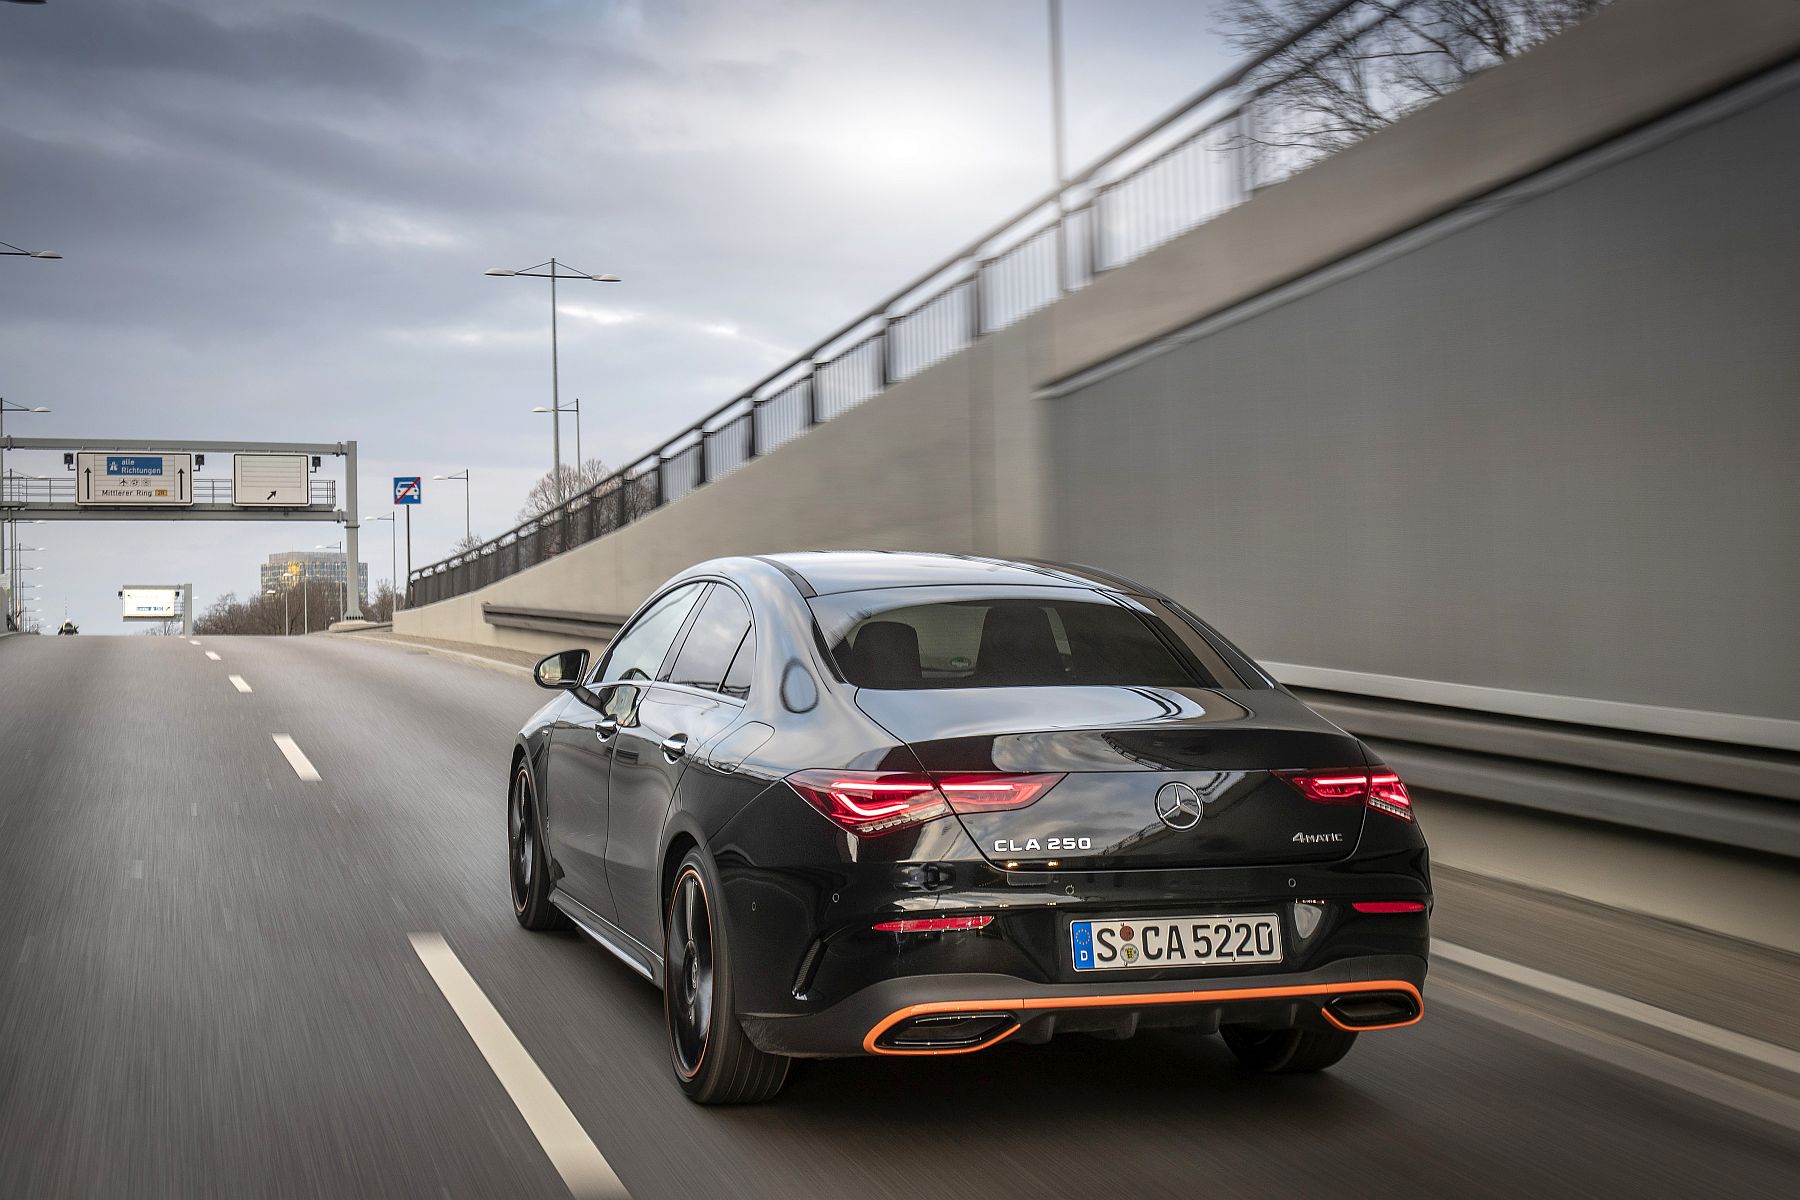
column 886, row 654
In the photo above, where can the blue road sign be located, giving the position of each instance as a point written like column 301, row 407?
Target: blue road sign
column 407, row 489
column 134, row 464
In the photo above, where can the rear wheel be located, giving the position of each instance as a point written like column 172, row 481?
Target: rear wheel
column 526, row 863
column 1287, row 1051
column 714, row 1061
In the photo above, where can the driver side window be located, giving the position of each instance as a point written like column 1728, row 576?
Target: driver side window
column 638, row 651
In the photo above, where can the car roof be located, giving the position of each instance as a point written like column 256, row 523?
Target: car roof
column 828, row 571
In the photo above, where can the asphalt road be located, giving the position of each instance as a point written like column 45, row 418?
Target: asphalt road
column 207, row 988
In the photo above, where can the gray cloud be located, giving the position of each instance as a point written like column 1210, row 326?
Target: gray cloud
column 276, row 216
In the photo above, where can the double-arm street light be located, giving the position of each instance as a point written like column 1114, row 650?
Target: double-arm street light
column 555, row 273
column 393, row 561
column 463, row 476
column 11, row 251
column 573, row 406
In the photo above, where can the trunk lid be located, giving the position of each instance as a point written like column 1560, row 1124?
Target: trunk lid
column 1120, row 749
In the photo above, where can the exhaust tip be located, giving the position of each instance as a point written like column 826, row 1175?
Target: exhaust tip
column 1372, row 1010
column 946, row 1031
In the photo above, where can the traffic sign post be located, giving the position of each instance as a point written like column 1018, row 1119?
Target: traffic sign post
column 135, row 480
column 408, row 490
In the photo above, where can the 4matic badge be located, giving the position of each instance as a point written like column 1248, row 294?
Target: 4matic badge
column 1318, row 837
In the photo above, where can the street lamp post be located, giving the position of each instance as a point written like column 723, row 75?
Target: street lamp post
column 7, row 406
column 344, row 592
column 1057, row 140
column 8, row 250
column 553, row 274
column 393, row 560
column 286, row 625
column 463, row 475
column 574, row 407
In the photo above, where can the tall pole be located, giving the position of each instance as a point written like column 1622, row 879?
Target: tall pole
column 468, row 525
column 305, row 603
column 1057, row 139
column 352, row 608
column 555, row 394
column 408, row 590
column 579, row 461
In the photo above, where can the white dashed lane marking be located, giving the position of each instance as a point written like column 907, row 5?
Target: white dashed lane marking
column 237, row 681
column 583, row 1168
column 296, row 758
column 212, row 655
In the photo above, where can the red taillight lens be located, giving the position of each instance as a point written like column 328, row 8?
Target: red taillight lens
column 1329, row 787
column 1387, row 794
column 1379, row 789
column 993, row 793
column 932, row 924
column 1387, row 906
column 871, row 802
column 867, row 803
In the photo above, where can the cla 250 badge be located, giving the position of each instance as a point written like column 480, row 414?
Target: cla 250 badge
column 1035, row 845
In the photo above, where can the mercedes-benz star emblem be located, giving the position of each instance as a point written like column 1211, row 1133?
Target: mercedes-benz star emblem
column 1178, row 805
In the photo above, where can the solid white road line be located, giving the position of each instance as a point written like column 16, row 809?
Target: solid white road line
column 212, row 655
column 1622, row 1006
column 583, row 1168
column 237, row 681
column 296, row 758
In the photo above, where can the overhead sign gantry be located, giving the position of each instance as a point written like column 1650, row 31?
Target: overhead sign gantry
column 134, row 480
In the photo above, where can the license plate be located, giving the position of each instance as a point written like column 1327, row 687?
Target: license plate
column 1176, row 942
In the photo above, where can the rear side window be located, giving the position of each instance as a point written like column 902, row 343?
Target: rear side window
column 640, row 649
column 1069, row 638
column 713, row 642
column 737, row 679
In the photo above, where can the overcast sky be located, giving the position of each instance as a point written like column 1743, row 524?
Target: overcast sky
column 276, row 216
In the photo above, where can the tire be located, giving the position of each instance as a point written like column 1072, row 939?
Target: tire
column 527, row 866
column 1287, row 1051
column 713, row 1060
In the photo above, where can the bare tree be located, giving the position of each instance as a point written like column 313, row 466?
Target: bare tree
column 577, row 478
column 310, row 606
column 1369, row 65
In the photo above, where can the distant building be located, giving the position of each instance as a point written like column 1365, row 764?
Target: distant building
column 313, row 566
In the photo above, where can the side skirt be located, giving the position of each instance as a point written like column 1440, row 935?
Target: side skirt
column 624, row 947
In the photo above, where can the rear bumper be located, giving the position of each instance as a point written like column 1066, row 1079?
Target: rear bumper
column 959, row 1014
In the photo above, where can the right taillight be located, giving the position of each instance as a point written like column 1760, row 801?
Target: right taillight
column 1379, row 789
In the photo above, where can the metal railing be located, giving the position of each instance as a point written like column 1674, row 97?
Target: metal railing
column 29, row 491
column 1344, row 74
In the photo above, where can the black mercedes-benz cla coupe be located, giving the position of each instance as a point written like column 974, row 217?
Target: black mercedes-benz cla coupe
column 898, row 804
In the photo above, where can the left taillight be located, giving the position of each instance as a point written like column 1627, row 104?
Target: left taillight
column 868, row 803
column 1379, row 789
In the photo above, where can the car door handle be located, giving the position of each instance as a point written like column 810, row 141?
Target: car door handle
column 674, row 746
column 605, row 727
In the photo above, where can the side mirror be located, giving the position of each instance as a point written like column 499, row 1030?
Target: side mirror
column 563, row 669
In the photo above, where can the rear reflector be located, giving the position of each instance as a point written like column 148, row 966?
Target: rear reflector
column 1379, row 789
column 932, row 924
column 1387, row 906
column 867, row 803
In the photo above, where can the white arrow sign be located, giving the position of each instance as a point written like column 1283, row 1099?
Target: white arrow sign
column 135, row 480
column 271, row 480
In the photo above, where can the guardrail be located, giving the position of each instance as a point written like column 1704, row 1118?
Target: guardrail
column 597, row 627
column 31, row 491
column 1355, row 67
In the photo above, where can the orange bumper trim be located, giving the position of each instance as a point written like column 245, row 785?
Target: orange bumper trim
column 1134, row 1000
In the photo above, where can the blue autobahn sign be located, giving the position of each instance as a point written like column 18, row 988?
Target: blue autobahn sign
column 407, row 489
column 134, row 464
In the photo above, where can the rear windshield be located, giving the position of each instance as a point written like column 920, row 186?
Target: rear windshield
column 1063, row 637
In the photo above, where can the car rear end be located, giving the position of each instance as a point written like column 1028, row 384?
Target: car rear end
column 1097, row 815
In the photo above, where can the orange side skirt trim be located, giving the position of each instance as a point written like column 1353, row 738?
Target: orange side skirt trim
column 1137, row 1000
